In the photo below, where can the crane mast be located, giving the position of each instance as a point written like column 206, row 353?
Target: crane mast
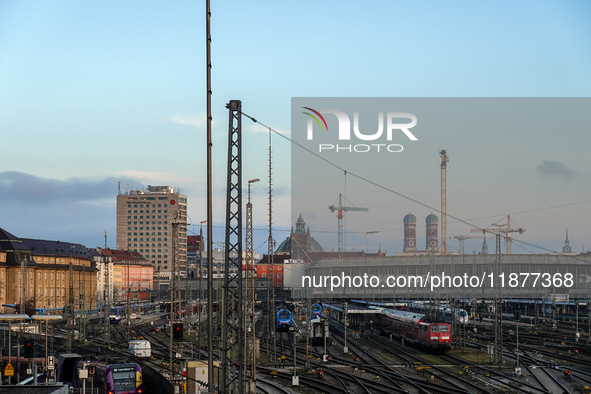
column 506, row 230
column 340, row 208
column 444, row 160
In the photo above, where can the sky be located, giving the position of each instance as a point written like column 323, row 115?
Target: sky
column 95, row 93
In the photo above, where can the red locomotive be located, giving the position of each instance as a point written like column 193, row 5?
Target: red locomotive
column 415, row 329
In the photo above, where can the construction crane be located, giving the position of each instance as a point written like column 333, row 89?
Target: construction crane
column 444, row 160
column 506, row 230
column 461, row 238
column 340, row 208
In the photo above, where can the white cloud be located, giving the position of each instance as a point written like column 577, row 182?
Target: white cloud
column 196, row 121
column 156, row 177
column 258, row 128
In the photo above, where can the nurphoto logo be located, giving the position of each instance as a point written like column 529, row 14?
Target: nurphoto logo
column 392, row 120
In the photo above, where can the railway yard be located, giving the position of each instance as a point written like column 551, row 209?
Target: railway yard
column 378, row 354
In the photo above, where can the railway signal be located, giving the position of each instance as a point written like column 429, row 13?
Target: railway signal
column 29, row 351
column 177, row 331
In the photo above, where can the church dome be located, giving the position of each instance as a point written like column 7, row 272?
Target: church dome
column 410, row 218
column 431, row 219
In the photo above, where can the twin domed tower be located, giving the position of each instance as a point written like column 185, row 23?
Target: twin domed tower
column 410, row 234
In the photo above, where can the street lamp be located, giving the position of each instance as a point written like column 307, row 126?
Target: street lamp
column 10, row 319
column 47, row 318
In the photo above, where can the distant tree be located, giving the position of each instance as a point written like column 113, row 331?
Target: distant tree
column 30, row 307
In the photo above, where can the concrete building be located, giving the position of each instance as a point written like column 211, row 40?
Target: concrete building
column 145, row 225
column 46, row 279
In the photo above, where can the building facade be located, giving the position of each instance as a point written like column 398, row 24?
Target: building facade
column 36, row 273
column 132, row 274
column 104, row 280
column 146, row 221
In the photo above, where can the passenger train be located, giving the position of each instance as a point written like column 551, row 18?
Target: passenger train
column 118, row 378
column 443, row 312
column 416, row 329
column 283, row 320
column 316, row 310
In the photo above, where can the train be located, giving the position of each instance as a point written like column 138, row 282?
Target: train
column 316, row 310
column 283, row 320
column 123, row 378
column 116, row 314
column 118, row 378
column 316, row 330
column 443, row 312
column 415, row 329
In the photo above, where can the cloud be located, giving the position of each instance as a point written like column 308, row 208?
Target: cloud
column 195, row 121
column 26, row 188
column 555, row 169
column 156, row 177
column 258, row 128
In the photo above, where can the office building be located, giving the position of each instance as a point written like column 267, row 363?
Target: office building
column 146, row 221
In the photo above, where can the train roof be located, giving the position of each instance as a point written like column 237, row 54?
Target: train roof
column 404, row 316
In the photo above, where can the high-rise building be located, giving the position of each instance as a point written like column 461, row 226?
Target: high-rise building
column 145, row 224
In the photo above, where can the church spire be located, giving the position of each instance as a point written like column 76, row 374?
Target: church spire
column 567, row 248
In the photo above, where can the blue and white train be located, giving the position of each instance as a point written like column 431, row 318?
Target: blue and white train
column 283, row 320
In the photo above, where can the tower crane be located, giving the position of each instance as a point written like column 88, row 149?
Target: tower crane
column 444, row 160
column 506, row 230
column 340, row 208
column 462, row 238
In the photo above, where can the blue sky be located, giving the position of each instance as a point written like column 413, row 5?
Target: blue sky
column 89, row 92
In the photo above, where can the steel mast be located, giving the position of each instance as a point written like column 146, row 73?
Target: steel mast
column 231, row 376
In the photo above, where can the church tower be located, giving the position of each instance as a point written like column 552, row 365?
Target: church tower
column 567, row 248
column 410, row 233
column 432, row 235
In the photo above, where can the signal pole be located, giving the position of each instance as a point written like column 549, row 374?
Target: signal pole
column 249, row 317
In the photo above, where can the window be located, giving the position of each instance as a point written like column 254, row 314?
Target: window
column 278, row 276
column 264, row 275
column 278, row 268
column 264, row 267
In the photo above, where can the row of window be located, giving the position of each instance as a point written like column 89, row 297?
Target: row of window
column 147, row 217
column 148, row 222
column 147, row 211
column 277, row 268
column 278, row 276
column 147, row 233
column 147, row 228
column 148, row 205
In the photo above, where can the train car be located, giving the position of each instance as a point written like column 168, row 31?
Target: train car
column 283, row 320
column 316, row 331
column 462, row 316
column 118, row 378
column 441, row 311
column 316, row 310
column 116, row 314
column 140, row 348
column 416, row 329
